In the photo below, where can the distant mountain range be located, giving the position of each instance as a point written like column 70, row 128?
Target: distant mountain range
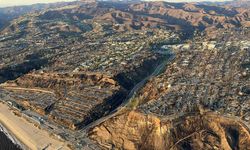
column 9, row 13
column 233, row 3
column 121, row 16
column 130, row 74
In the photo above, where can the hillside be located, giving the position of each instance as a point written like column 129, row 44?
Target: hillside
column 130, row 74
column 7, row 14
column 143, row 15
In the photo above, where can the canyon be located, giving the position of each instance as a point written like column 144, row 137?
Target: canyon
column 130, row 75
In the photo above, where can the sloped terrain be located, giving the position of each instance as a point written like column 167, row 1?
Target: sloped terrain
column 237, row 3
column 7, row 14
column 121, row 16
column 200, row 102
column 62, row 97
column 131, row 75
column 134, row 130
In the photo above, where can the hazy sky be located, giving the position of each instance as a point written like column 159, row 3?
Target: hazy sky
column 4, row 3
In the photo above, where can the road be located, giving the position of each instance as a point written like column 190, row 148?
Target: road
column 26, row 89
column 138, row 86
column 169, row 58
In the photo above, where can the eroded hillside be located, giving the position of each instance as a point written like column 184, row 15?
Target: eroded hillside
column 200, row 102
column 133, row 130
column 131, row 75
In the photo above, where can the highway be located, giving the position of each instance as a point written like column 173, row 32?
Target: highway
column 159, row 69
